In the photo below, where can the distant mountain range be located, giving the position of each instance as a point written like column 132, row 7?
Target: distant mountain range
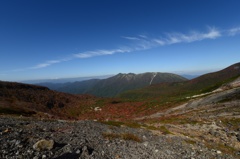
column 112, row 86
column 189, row 76
column 180, row 90
column 64, row 80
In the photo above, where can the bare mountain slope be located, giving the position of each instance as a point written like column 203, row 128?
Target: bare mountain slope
column 112, row 86
column 122, row 82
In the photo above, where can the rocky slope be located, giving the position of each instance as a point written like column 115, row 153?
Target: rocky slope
column 28, row 138
column 212, row 119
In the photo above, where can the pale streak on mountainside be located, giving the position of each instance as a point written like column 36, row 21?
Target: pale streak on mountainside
column 154, row 75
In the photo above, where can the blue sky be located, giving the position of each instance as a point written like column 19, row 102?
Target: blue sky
column 47, row 39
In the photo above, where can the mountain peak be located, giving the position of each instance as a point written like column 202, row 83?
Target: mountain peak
column 119, row 83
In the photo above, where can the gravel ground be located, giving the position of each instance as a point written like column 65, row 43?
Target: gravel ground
column 30, row 138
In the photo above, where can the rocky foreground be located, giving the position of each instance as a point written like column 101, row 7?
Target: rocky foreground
column 30, row 138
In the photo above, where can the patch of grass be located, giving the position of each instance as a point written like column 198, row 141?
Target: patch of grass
column 128, row 136
column 151, row 127
column 232, row 122
column 118, row 124
column 174, row 120
column 124, row 136
column 111, row 136
column 164, row 130
column 113, row 123
column 133, row 125
column 190, row 142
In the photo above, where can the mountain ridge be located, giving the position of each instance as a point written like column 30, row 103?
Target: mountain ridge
column 201, row 84
column 114, row 85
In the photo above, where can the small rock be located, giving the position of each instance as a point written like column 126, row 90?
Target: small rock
column 219, row 152
column 43, row 145
column 17, row 142
column 97, row 109
column 44, row 156
column 78, row 151
column 7, row 130
column 67, row 148
column 85, row 153
column 145, row 144
column 144, row 137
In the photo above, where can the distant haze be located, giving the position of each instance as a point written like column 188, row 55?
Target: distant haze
column 64, row 80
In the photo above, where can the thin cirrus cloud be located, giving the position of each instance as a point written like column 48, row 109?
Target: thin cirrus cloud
column 82, row 55
column 89, row 54
column 173, row 38
column 48, row 63
column 192, row 36
column 130, row 38
column 143, row 42
column 234, row 31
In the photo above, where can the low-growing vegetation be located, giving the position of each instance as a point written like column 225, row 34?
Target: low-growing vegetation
column 164, row 130
column 13, row 111
column 123, row 136
column 118, row 124
column 232, row 123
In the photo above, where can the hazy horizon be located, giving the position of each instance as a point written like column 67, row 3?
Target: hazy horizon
column 83, row 78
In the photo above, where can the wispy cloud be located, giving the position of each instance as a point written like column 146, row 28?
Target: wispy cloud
column 173, row 38
column 45, row 64
column 192, row 36
column 143, row 42
column 142, row 36
column 86, row 54
column 139, row 37
column 234, row 31
column 130, row 38
column 89, row 54
column 49, row 63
